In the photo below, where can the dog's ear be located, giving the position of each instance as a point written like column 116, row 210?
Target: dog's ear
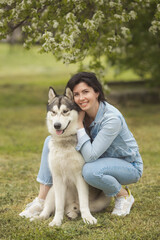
column 51, row 95
column 69, row 94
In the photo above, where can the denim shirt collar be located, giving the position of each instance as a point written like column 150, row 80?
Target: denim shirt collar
column 99, row 114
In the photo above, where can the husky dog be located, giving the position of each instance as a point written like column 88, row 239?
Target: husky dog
column 70, row 194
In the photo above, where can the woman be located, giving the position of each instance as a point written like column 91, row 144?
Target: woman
column 109, row 149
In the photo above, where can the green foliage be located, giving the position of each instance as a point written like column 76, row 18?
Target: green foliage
column 142, row 51
column 125, row 32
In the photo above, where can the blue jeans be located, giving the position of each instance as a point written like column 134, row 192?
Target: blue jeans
column 107, row 174
column 44, row 174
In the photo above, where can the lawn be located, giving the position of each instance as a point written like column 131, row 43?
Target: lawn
column 24, row 81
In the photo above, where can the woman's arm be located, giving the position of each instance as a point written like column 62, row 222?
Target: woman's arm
column 109, row 131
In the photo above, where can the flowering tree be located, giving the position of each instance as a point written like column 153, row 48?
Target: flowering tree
column 126, row 33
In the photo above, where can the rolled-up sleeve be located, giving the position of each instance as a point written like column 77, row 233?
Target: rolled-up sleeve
column 109, row 130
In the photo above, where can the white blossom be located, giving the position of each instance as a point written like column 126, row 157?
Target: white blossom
column 70, row 17
column 100, row 2
column 34, row 25
column 110, row 48
column 98, row 17
column 29, row 2
column 133, row 15
column 1, row 24
column 155, row 27
column 9, row 2
column 117, row 16
column 112, row 4
column 158, row 7
column 41, row 1
column 125, row 31
column 111, row 39
column 89, row 25
column 55, row 24
column 67, row 41
column 22, row 5
column 47, row 35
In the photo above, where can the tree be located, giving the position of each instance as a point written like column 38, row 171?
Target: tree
column 125, row 33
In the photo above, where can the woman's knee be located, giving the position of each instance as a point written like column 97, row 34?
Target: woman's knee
column 87, row 173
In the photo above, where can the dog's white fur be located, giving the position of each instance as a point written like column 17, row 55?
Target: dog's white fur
column 69, row 193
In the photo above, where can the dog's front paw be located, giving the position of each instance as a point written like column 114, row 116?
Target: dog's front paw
column 89, row 219
column 55, row 222
column 40, row 217
column 33, row 218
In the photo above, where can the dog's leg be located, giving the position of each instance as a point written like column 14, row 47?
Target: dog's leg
column 49, row 205
column 83, row 194
column 60, row 190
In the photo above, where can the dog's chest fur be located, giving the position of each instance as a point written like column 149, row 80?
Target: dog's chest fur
column 64, row 160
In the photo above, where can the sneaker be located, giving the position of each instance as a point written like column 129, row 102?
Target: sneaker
column 33, row 209
column 123, row 205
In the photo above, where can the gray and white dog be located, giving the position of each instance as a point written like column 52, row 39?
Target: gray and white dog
column 70, row 194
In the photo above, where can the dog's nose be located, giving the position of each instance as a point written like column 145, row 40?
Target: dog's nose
column 57, row 125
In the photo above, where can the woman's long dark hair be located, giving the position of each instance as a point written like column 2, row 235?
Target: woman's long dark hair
column 90, row 79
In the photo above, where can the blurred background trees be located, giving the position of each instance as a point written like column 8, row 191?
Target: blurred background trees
column 121, row 33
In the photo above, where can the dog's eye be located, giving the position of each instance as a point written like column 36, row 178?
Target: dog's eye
column 53, row 113
column 65, row 111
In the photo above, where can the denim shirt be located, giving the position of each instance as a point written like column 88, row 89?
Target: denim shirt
column 109, row 137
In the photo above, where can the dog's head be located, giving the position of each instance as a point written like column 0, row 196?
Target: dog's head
column 62, row 113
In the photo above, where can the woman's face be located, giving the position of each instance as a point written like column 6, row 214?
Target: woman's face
column 85, row 96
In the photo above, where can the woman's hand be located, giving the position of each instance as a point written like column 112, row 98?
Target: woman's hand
column 81, row 116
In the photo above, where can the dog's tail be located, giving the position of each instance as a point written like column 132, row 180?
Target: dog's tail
column 100, row 203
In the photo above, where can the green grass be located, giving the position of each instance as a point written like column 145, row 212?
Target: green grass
column 23, row 100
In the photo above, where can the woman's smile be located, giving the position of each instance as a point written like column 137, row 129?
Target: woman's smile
column 86, row 98
column 83, row 104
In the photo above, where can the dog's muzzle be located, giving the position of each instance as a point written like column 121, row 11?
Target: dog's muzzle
column 57, row 125
column 59, row 131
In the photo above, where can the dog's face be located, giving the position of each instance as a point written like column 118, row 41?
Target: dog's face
column 62, row 113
